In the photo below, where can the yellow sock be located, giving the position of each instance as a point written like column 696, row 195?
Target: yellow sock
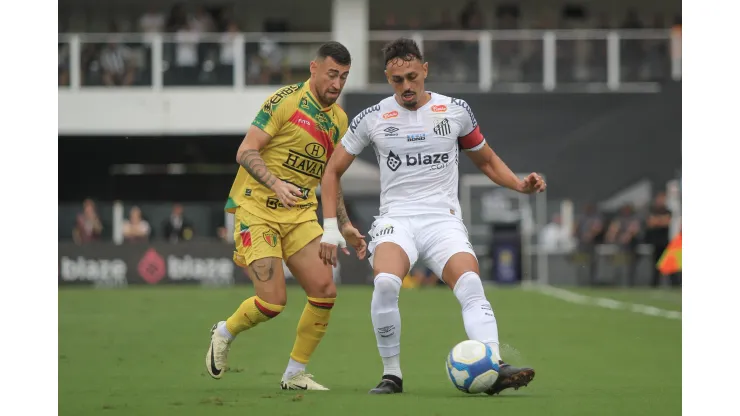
column 250, row 313
column 311, row 328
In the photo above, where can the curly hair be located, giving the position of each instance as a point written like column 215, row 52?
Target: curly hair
column 402, row 48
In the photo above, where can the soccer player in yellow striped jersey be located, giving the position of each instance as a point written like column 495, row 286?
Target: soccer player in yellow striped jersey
column 273, row 199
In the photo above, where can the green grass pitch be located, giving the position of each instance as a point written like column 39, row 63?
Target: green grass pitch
column 140, row 351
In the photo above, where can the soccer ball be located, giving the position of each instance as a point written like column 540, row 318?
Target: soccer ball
column 471, row 367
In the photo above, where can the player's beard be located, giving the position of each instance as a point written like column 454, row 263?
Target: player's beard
column 413, row 100
column 328, row 98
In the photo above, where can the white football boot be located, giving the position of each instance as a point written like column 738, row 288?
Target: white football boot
column 300, row 381
column 218, row 352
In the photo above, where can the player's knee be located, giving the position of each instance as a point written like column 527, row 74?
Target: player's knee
column 469, row 289
column 275, row 297
column 323, row 289
column 387, row 284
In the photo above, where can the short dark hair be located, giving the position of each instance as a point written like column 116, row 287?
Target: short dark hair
column 336, row 51
column 402, row 48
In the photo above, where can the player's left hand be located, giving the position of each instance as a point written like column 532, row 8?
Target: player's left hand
column 532, row 183
column 330, row 240
column 355, row 239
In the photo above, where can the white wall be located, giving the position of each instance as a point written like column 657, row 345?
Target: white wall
column 171, row 111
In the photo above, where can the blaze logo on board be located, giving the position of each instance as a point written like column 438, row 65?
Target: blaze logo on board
column 390, row 114
column 151, row 267
column 100, row 272
column 245, row 235
column 270, row 237
column 440, row 108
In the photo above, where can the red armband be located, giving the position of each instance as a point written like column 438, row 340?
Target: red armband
column 471, row 140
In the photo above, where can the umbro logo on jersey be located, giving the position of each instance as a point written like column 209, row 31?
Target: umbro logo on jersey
column 390, row 131
column 442, row 128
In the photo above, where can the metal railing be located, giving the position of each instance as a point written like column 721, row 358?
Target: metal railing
column 611, row 60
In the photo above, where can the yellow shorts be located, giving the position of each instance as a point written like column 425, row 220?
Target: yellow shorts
column 257, row 238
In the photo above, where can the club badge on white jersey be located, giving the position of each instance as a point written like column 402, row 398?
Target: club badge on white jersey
column 417, row 151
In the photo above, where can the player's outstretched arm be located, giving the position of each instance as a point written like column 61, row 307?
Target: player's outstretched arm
column 490, row 164
column 249, row 157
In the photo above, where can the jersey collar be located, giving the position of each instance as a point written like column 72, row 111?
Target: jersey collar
column 314, row 100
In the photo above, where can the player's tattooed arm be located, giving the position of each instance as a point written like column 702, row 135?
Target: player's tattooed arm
column 252, row 162
column 342, row 217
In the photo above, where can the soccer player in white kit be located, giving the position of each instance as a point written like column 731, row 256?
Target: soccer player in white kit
column 417, row 136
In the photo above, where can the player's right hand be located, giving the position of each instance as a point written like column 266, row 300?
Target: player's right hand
column 287, row 193
column 330, row 240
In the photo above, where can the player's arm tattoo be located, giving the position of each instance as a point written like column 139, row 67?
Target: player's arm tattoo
column 342, row 217
column 252, row 162
column 262, row 269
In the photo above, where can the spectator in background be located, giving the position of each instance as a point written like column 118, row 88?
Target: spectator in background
column 152, row 21
column 470, row 15
column 186, row 53
column 202, row 22
column 624, row 231
column 553, row 237
column 272, row 66
column 117, row 64
column 657, row 232
column 588, row 232
column 178, row 228
column 88, row 227
column 177, row 18
column 136, row 229
column 226, row 53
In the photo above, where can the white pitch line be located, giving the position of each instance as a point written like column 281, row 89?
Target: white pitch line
column 580, row 299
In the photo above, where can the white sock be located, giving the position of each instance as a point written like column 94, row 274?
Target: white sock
column 221, row 328
column 293, row 368
column 480, row 323
column 387, row 321
column 392, row 366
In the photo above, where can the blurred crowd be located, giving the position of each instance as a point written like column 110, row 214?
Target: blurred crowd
column 623, row 231
column 190, row 57
column 89, row 228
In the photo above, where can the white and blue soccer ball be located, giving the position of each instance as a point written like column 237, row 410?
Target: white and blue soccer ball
column 471, row 367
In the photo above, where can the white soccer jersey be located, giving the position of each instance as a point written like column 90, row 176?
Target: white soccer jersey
column 417, row 152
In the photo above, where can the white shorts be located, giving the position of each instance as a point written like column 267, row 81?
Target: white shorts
column 429, row 238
